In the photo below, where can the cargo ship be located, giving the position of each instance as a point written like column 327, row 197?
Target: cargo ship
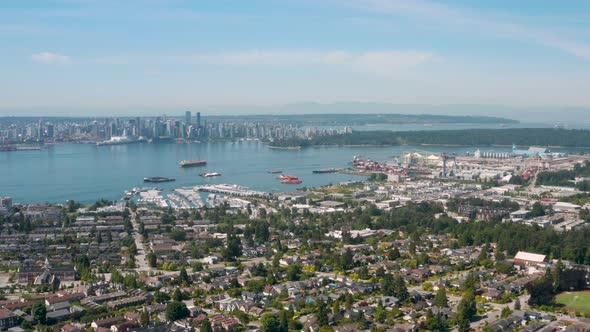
column 158, row 179
column 208, row 175
column 325, row 170
column 190, row 163
column 290, row 179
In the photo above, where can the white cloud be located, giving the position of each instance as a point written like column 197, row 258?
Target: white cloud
column 51, row 58
column 470, row 21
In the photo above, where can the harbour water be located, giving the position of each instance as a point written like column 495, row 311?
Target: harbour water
column 88, row 172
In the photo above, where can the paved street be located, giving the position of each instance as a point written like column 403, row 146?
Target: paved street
column 141, row 258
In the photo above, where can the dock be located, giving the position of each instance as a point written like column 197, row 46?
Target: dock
column 230, row 189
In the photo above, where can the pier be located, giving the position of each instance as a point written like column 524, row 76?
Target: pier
column 230, row 189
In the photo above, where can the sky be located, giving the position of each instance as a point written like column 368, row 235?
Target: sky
column 91, row 57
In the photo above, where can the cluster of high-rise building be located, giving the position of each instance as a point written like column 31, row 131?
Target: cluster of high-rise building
column 162, row 128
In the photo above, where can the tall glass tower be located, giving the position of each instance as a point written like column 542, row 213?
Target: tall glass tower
column 187, row 118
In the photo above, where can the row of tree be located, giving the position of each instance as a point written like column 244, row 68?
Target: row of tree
column 470, row 137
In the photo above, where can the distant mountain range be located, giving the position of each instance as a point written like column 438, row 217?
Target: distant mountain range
column 335, row 119
column 358, row 119
column 573, row 116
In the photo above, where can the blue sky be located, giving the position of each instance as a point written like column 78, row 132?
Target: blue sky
column 133, row 56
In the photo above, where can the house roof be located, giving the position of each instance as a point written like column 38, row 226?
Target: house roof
column 527, row 256
column 4, row 313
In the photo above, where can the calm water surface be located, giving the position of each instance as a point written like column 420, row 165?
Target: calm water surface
column 89, row 172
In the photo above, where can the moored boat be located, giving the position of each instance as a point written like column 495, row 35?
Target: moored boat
column 325, row 170
column 157, row 179
column 189, row 163
column 208, row 175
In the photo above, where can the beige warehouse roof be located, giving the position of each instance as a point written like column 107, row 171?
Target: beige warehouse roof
column 527, row 256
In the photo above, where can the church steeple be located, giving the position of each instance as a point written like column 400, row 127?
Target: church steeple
column 47, row 265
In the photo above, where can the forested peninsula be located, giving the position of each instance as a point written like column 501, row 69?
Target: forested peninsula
column 550, row 137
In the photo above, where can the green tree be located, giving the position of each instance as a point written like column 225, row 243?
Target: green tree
column 505, row 312
column 537, row 211
column 322, row 314
column 206, row 326
column 336, row 306
column 161, row 297
column 270, row 323
column 284, row 321
column 144, row 319
column 412, row 248
column 39, row 312
column 440, row 299
column 394, row 254
column 463, row 325
column 541, row 291
column 471, row 282
column 141, row 228
column 388, row 287
column 556, row 275
column 380, row 313
column 177, row 295
column 400, row 289
column 294, row 272
column 436, row 322
column 184, row 278
column 261, row 232
column 178, row 235
column 483, row 255
column 233, row 249
column 152, row 259
column 176, row 310
column 466, row 310
column 348, row 301
column 346, row 260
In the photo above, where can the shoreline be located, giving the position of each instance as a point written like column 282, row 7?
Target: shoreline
column 502, row 146
column 430, row 144
column 303, row 147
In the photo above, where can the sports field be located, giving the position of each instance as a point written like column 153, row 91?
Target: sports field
column 578, row 301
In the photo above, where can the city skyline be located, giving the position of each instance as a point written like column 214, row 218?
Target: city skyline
column 92, row 58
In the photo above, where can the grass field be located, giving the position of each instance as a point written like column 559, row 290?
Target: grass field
column 578, row 301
